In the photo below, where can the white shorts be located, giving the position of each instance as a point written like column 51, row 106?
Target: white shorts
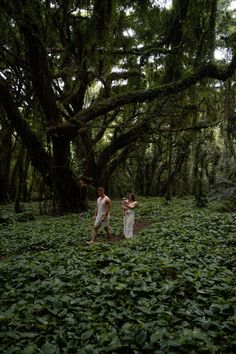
column 104, row 223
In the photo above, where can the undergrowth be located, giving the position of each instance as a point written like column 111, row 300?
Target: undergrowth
column 170, row 289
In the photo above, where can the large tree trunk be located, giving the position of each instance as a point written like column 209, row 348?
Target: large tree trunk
column 56, row 171
column 70, row 195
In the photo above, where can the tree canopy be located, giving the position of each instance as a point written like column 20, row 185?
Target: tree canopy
column 84, row 84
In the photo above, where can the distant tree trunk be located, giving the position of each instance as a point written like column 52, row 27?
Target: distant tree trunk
column 181, row 157
column 185, row 185
column 140, row 177
column 34, row 181
column 152, row 172
column 212, row 173
column 20, row 164
column 160, row 186
column 25, row 187
column 196, row 168
column 5, row 153
column 230, row 116
column 13, row 181
column 168, row 194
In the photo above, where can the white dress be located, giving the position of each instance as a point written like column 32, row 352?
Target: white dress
column 129, row 222
column 101, row 209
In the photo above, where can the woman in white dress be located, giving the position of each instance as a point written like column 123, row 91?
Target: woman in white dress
column 128, row 206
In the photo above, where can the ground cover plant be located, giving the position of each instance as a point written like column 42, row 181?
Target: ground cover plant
column 170, row 289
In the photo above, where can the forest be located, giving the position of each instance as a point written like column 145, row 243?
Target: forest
column 135, row 96
column 88, row 88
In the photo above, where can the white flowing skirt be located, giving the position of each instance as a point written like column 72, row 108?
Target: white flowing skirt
column 129, row 223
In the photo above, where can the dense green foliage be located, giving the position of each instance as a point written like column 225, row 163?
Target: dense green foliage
column 170, row 289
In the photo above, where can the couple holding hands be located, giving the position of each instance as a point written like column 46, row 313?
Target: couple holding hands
column 102, row 210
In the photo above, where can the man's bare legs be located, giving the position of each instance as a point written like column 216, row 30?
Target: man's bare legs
column 108, row 236
column 95, row 233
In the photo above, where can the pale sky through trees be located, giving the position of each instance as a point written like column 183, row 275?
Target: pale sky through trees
column 223, row 53
column 233, row 5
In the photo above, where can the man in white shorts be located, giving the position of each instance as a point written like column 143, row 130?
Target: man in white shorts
column 101, row 214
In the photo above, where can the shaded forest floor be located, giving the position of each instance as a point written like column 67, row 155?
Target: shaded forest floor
column 169, row 289
column 31, row 213
column 138, row 226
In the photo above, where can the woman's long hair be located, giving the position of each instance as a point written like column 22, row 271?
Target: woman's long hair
column 132, row 196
